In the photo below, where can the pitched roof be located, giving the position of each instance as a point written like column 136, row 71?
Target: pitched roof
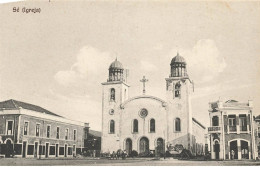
column 14, row 104
column 196, row 121
column 95, row 133
column 231, row 101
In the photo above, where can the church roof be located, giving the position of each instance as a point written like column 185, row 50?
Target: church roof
column 196, row 121
column 116, row 64
column 14, row 104
column 178, row 59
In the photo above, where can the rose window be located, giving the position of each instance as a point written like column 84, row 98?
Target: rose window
column 143, row 113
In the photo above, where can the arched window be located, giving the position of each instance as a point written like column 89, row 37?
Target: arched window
column 178, row 90
column 177, row 124
column 215, row 121
column 135, row 126
column 152, row 126
column 112, row 127
column 112, row 94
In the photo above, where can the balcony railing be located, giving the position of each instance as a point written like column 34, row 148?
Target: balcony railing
column 243, row 128
column 232, row 128
column 214, row 129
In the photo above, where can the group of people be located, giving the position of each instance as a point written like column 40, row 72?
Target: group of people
column 118, row 154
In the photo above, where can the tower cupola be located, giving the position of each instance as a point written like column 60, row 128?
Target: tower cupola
column 116, row 71
column 178, row 67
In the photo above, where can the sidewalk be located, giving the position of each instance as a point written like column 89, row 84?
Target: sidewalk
column 127, row 162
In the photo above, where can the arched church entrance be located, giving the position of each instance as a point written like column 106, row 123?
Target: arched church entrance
column 128, row 146
column 144, row 145
column 159, row 147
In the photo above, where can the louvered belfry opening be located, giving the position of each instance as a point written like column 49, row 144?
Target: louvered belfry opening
column 178, row 67
column 116, row 71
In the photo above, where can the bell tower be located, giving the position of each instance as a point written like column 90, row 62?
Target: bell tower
column 178, row 84
column 178, row 90
column 114, row 92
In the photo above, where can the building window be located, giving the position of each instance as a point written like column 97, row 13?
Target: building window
column 37, row 130
column 86, row 134
column 112, row 94
column 152, row 126
column 177, row 124
column 74, row 135
column 178, row 90
column 232, row 123
column 58, row 133
column 66, row 134
column 243, row 122
column 215, row 121
column 25, row 129
column 135, row 126
column 48, row 131
column 9, row 130
column 112, row 127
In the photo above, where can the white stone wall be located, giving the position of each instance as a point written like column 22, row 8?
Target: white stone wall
column 180, row 107
column 199, row 136
column 110, row 142
column 131, row 112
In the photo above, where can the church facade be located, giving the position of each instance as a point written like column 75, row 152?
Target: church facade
column 148, row 124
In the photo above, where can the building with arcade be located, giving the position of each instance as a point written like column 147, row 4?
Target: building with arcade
column 27, row 130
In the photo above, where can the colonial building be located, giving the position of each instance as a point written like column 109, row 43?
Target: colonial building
column 28, row 130
column 257, row 135
column 147, row 123
column 232, row 133
column 94, row 140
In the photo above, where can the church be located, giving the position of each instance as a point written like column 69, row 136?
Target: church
column 148, row 124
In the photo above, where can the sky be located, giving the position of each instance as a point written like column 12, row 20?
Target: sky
column 58, row 58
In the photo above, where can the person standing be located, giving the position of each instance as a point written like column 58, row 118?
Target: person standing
column 232, row 154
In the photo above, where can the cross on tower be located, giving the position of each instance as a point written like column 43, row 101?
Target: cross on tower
column 144, row 80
